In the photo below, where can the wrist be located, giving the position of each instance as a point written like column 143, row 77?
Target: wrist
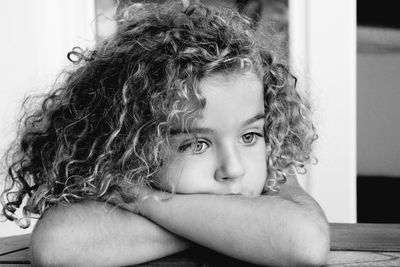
column 143, row 206
column 151, row 203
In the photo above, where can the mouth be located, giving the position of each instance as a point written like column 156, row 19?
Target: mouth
column 235, row 191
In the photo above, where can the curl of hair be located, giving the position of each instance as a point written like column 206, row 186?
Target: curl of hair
column 102, row 134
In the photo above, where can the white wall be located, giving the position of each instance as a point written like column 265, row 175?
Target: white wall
column 323, row 53
column 35, row 39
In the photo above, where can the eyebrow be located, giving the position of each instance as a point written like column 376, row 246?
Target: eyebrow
column 194, row 130
column 255, row 118
column 206, row 130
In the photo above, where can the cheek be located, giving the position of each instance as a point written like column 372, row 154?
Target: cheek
column 256, row 173
column 188, row 174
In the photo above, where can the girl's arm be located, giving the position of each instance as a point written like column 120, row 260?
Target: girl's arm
column 286, row 229
column 96, row 234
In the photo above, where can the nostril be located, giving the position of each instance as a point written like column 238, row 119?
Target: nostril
column 228, row 173
column 230, row 165
column 221, row 178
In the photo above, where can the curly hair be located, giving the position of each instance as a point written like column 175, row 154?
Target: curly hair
column 101, row 135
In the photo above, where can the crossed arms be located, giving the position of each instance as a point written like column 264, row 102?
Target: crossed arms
column 286, row 229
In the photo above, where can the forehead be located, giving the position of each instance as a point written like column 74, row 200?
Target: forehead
column 231, row 98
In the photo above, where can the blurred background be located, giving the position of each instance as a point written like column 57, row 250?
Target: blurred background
column 345, row 54
column 378, row 112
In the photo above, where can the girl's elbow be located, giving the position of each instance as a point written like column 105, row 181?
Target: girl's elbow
column 50, row 244
column 313, row 245
column 40, row 258
column 42, row 249
column 314, row 255
column 52, row 249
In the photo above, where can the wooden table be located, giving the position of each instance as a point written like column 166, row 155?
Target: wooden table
column 351, row 245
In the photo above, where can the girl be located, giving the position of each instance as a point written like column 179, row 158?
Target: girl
column 180, row 129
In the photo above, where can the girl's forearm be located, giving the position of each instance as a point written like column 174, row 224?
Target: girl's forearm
column 272, row 230
column 96, row 234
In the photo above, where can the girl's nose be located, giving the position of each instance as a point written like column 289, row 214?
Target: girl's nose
column 230, row 166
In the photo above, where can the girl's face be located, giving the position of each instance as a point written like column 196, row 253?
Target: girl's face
column 228, row 154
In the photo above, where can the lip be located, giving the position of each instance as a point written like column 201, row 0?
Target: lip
column 235, row 191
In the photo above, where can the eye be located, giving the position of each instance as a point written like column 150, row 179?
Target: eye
column 196, row 146
column 250, row 138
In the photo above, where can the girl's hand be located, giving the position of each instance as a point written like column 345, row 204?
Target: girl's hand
column 149, row 195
